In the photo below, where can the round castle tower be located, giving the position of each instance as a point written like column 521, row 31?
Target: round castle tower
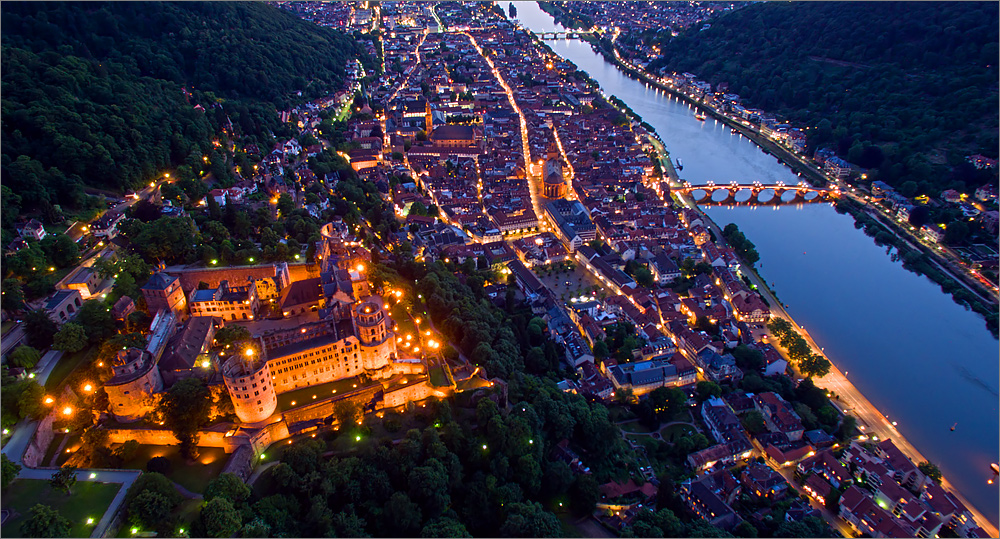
column 248, row 380
column 136, row 379
column 372, row 326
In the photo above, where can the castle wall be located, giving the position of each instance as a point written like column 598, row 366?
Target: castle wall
column 237, row 276
column 324, row 408
column 44, row 434
column 413, row 391
column 303, row 271
column 147, row 436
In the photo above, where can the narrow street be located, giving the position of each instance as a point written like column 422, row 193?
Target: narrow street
column 532, row 187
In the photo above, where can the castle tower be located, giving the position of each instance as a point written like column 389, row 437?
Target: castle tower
column 373, row 328
column 136, row 380
column 248, row 380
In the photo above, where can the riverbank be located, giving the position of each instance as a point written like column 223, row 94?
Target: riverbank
column 850, row 400
column 964, row 292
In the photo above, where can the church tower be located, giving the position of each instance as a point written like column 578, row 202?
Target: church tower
column 428, row 119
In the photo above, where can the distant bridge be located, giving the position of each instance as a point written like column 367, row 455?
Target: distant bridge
column 571, row 34
column 804, row 193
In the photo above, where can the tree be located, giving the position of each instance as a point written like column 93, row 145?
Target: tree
column 229, row 487
column 444, row 527
column 44, row 521
column 749, row 359
column 930, row 470
column 753, row 421
column 285, row 204
column 25, row 397
column 583, row 494
column 64, row 479
column 10, row 471
column 745, row 529
column 159, row 465
column 127, row 450
column 815, row 365
column 219, row 518
column 666, row 402
column 154, row 483
column 70, row 338
column 95, row 317
column 186, row 407
column 528, row 519
column 149, row 508
column 347, row 412
column 231, row 334
column 600, row 349
column 39, row 328
column 402, row 516
column 12, row 295
column 956, row 233
column 708, row 389
column 25, row 357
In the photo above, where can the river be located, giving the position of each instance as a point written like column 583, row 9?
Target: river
column 924, row 361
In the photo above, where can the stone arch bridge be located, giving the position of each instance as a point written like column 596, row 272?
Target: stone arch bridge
column 804, row 193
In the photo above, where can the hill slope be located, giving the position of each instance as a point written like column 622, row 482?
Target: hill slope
column 93, row 93
column 915, row 83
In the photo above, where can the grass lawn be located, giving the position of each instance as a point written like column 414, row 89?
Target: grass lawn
column 67, row 364
column 676, row 432
column 194, row 477
column 301, row 397
column 6, row 326
column 438, row 377
column 89, row 500
column 635, row 426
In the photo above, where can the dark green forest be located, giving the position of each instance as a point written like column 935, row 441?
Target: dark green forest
column 907, row 89
column 103, row 94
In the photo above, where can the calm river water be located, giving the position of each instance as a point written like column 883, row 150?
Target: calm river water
column 923, row 360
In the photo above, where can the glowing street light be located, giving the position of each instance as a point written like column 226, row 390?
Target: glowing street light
column 67, row 411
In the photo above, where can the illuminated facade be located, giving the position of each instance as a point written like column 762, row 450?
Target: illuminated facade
column 332, row 350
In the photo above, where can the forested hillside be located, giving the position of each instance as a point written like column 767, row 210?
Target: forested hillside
column 94, row 93
column 907, row 88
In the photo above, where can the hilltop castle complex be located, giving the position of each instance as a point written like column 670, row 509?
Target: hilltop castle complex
column 353, row 336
